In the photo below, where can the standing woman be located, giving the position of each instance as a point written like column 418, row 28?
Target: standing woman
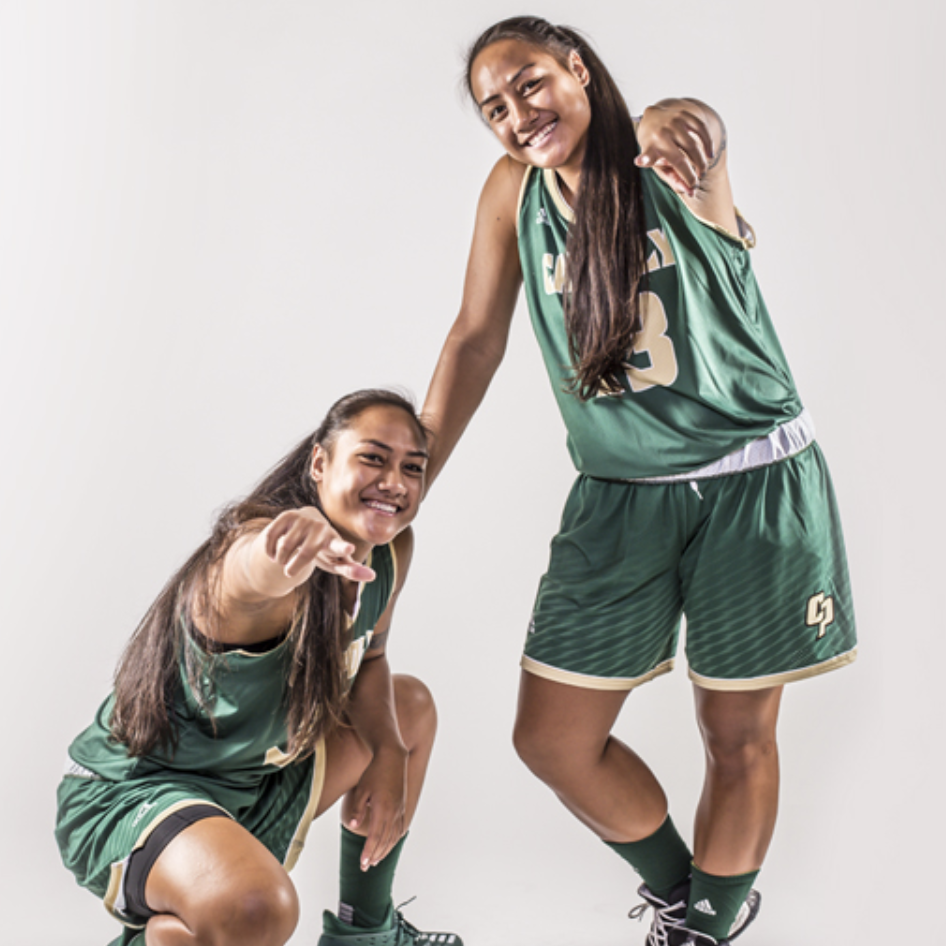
column 700, row 489
column 254, row 694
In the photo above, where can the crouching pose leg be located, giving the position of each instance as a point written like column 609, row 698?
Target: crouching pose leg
column 254, row 695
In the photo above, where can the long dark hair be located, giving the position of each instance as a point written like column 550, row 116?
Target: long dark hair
column 607, row 243
column 149, row 673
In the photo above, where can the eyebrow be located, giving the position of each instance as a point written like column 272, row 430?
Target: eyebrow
column 384, row 446
column 512, row 81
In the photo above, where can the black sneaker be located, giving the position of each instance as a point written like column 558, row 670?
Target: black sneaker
column 668, row 914
column 747, row 913
column 681, row 936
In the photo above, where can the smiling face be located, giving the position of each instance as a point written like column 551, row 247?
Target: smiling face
column 535, row 106
column 371, row 479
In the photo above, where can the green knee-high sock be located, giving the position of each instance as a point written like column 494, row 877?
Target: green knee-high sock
column 662, row 860
column 715, row 901
column 365, row 895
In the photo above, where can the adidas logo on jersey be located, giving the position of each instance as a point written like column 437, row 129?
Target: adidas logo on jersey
column 142, row 811
column 542, row 217
column 704, row 906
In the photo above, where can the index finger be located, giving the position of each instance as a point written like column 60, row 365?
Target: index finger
column 340, row 561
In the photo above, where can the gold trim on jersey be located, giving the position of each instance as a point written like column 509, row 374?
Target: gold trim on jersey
column 775, row 679
column 589, row 682
column 522, row 193
column 558, row 198
column 308, row 816
column 117, row 872
column 393, row 553
column 747, row 242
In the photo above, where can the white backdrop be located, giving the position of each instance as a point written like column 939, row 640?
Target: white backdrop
column 218, row 216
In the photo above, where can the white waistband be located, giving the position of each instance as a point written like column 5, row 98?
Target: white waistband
column 785, row 441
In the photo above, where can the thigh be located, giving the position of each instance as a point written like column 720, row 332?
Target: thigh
column 765, row 583
column 608, row 608
column 214, row 874
column 571, row 720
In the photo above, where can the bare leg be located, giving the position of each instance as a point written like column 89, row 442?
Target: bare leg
column 216, row 885
column 736, row 815
column 563, row 734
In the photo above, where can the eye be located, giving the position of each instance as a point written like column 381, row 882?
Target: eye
column 495, row 113
column 413, row 469
column 372, row 458
column 529, row 86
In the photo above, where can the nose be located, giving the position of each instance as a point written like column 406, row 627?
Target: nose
column 523, row 116
column 392, row 481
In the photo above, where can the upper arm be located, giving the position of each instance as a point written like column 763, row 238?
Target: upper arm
column 403, row 553
column 477, row 341
column 493, row 274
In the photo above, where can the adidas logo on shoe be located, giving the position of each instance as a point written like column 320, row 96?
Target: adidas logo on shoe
column 704, row 906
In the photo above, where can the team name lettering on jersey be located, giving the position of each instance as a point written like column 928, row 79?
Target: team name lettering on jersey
column 663, row 255
column 553, row 273
column 553, row 267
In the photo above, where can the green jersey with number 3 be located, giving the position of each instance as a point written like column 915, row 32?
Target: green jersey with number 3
column 707, row 375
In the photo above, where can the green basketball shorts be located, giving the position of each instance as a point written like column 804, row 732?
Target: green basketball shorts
column 754, row 560
column 101, row 823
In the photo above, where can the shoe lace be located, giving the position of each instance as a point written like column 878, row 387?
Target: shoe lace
column 664, row 920
column 407, row 933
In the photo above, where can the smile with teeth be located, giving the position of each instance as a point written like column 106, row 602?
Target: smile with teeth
column 388, row 509
column 541, row 135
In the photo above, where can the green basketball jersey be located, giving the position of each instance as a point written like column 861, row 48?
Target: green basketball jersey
column 708, row 374
column 247, row 733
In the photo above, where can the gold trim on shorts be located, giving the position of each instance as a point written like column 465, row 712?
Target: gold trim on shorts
column 308, row 816
column 589, row 682
column 775, row 679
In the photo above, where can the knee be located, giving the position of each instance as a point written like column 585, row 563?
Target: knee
column 741, row 751
column 537, row 748
column 416, row 710
column 259, row 915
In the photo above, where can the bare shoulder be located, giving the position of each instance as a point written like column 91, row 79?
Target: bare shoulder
column 501, row 191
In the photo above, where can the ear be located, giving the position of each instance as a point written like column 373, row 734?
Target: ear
column 317, row 467
column 578, row 68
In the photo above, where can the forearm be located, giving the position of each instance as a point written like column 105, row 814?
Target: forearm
column 460, row 382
